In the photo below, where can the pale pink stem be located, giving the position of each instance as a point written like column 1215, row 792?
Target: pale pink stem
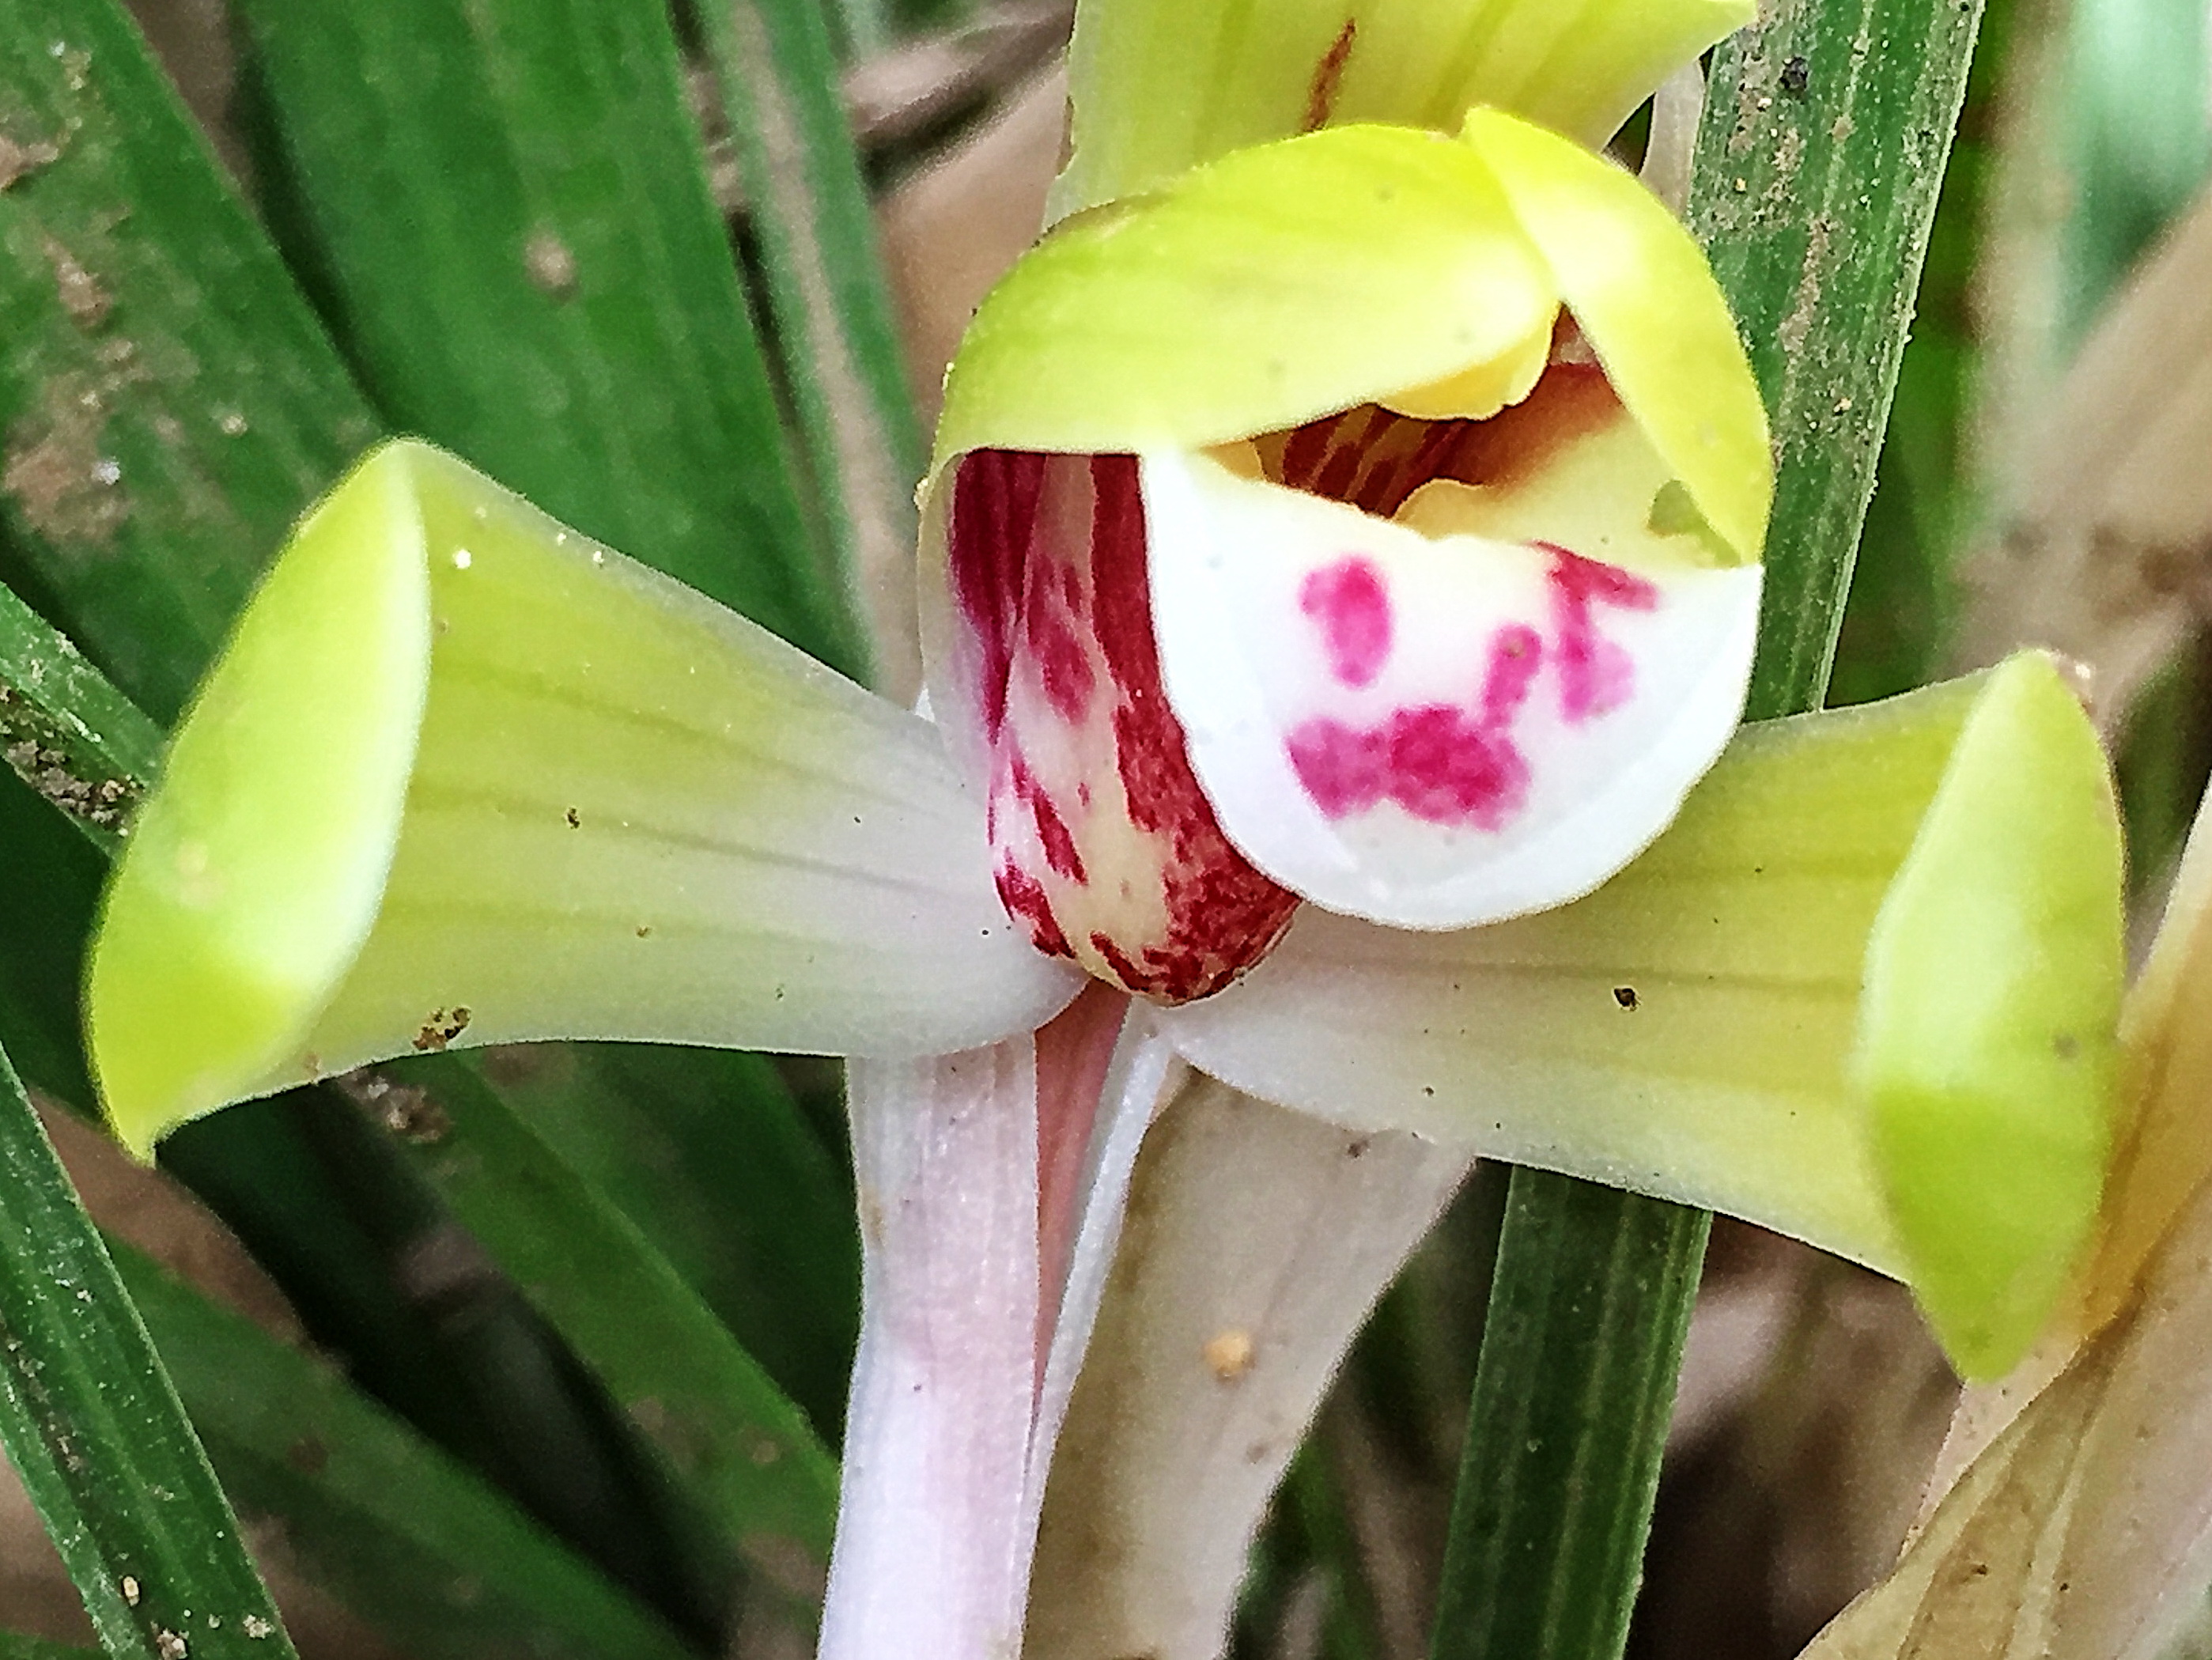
column 991, row 1186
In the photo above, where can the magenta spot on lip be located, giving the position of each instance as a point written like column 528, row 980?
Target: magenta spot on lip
column 1432, row 760
column 1436, row 761
column 1596, row 676
column 1516, row 652
column 1350, row 603
column 1447, row 769
column 1345, row 769
column 1453, row 766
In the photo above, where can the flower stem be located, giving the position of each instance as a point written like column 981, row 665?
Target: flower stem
column 1821, row 152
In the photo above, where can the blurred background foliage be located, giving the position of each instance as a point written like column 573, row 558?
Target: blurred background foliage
column 543, row 1353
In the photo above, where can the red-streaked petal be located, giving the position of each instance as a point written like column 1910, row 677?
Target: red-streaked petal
column 1532, row 722
column 1103, row 844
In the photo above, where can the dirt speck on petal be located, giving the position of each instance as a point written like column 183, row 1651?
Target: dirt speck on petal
column 1228, row 1353
column 443, row 1026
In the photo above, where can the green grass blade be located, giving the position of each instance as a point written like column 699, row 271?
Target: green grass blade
column 406, row 1538
column 835, row 331
column 168, row 402
column 65, row 731
column 506, row 210
column 50, row 882
column 706, row 1151
column 735, row 1440
column 1583, row 1338
column 13, row 1646
column 1818, row 162
column 1822, row 152
column 93, row 1427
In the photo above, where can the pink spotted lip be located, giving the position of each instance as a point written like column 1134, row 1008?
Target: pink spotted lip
column 1439, row 762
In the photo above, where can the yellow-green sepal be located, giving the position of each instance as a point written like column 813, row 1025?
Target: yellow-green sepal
column 1276, row 285
column 1986, row 1048
column 1160, row 86
column 1644, row 295
column 246, row 890
column 463, row 776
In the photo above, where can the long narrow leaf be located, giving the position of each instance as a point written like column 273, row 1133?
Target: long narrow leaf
column 746, row 1452
column 1818, row 160
column 834, row 333
column 709, row 1155
column 93, row 1427
column 406, row 1538
column 168, row 402
column 13, row 1646
column 65, row 731
column 507, row 205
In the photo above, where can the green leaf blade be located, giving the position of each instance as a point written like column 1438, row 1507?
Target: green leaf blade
column 406, row 1539
column 93, row 1425
column 565, row 314
column 168, row 402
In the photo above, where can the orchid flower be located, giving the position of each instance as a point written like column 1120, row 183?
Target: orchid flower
column 1367, row 516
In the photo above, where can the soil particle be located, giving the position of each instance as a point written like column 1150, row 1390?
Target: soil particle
column 443, row 1026
column 551, row 262
column 105, row 802
column 54, row 473
column 19, row 161
column 81, row 295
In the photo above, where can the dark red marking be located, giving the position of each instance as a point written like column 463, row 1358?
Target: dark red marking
column 1060, row 852
column 1223, row 914
column 1370, row 457
column 1052, row 625
column 1328, row 75
column 1026, row 903
column 1597, row 675
column 993, row 522
column 1349, row 603
column 1028, row 600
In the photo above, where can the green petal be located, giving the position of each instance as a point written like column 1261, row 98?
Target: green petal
column 1159, row 85
column 1277, row 285
column 1690, row 1030
column 463, row 776
column 1644, row 295
column 1987, row 1045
